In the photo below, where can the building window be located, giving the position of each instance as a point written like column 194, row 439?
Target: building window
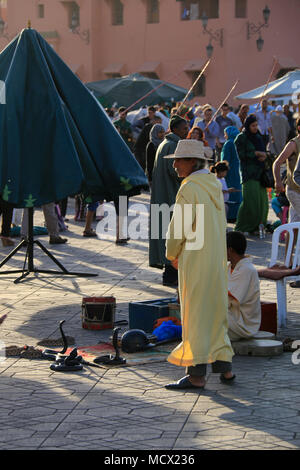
column 74, row 15
column 194, row 9
column 41, row 11
column 153, row 11
column 241, row 8
column 113, row 75
column 150, row 75
column 117, row 12
column 200, row 88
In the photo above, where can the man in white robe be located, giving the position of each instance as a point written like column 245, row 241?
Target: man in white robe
column 244, row 309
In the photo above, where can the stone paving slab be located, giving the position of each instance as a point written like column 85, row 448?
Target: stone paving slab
column 128, row 408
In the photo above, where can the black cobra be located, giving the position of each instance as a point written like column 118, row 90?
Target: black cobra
column 67, row 363
column 109, row 359
column 51, row 354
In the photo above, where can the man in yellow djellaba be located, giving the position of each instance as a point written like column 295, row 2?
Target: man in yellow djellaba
column 196, row 245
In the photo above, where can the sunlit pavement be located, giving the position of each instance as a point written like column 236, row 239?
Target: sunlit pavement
column 128, row 407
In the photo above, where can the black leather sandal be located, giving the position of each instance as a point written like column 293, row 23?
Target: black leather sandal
column 183, row 384
column 227, row 381
column 295, row 284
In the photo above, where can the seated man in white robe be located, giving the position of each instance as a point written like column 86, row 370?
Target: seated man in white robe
column 244, row 309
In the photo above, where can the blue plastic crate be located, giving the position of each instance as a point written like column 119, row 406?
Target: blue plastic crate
column 142, row 315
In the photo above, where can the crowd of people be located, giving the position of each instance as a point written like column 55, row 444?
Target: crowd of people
column 192, row 156
column 238, row 146
column 241, row 139
column 242, row 142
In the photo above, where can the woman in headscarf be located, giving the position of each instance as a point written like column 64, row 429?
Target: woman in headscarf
column 233, row 178
column 157, row 135
column 251, row 150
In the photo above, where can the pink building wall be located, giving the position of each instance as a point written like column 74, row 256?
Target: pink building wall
column 172, row 43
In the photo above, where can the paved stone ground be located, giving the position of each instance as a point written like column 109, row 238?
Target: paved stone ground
column 129, row 408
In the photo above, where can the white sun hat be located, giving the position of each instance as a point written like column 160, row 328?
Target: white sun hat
column 191, row 148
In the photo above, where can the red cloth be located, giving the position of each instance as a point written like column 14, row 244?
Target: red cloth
column 159, row 321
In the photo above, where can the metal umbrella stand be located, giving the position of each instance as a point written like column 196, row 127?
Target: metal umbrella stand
column 29, row 257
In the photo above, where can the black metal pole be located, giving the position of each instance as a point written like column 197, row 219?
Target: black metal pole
column 30, row 240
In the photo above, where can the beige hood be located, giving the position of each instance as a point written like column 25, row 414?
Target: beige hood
column 210, row 184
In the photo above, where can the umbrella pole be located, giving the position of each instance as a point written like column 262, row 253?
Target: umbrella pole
column 29, row 244
column 267, row 84
column 193, row 86
column 150, row 92
column 30, row 240
column 224, row 101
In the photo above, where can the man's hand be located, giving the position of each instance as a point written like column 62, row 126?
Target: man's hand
column 261, row 156
column 234, row 190
column 175, row 263
column 279, row 188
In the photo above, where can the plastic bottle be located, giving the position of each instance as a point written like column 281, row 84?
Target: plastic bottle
column 261, row 229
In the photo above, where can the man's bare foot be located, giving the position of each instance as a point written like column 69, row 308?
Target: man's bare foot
column 227, row 378
column 187, row 382
column 228, row 375
column 197, row 381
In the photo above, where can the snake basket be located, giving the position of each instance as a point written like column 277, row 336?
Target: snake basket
column 98, row 313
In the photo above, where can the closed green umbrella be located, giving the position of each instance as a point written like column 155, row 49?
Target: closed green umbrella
column 128, row 89
column 56, row 139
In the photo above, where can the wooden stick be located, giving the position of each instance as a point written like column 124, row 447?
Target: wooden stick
column 269, row 79
column 143, row 97
column 150, row 92
column 224, row 101
column 193, row 86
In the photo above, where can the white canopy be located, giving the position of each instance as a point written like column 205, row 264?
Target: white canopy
column 287, row 85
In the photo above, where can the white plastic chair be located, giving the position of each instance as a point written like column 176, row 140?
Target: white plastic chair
column 281, row 284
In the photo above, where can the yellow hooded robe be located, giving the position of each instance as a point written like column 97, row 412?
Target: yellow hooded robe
column 202, row 270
